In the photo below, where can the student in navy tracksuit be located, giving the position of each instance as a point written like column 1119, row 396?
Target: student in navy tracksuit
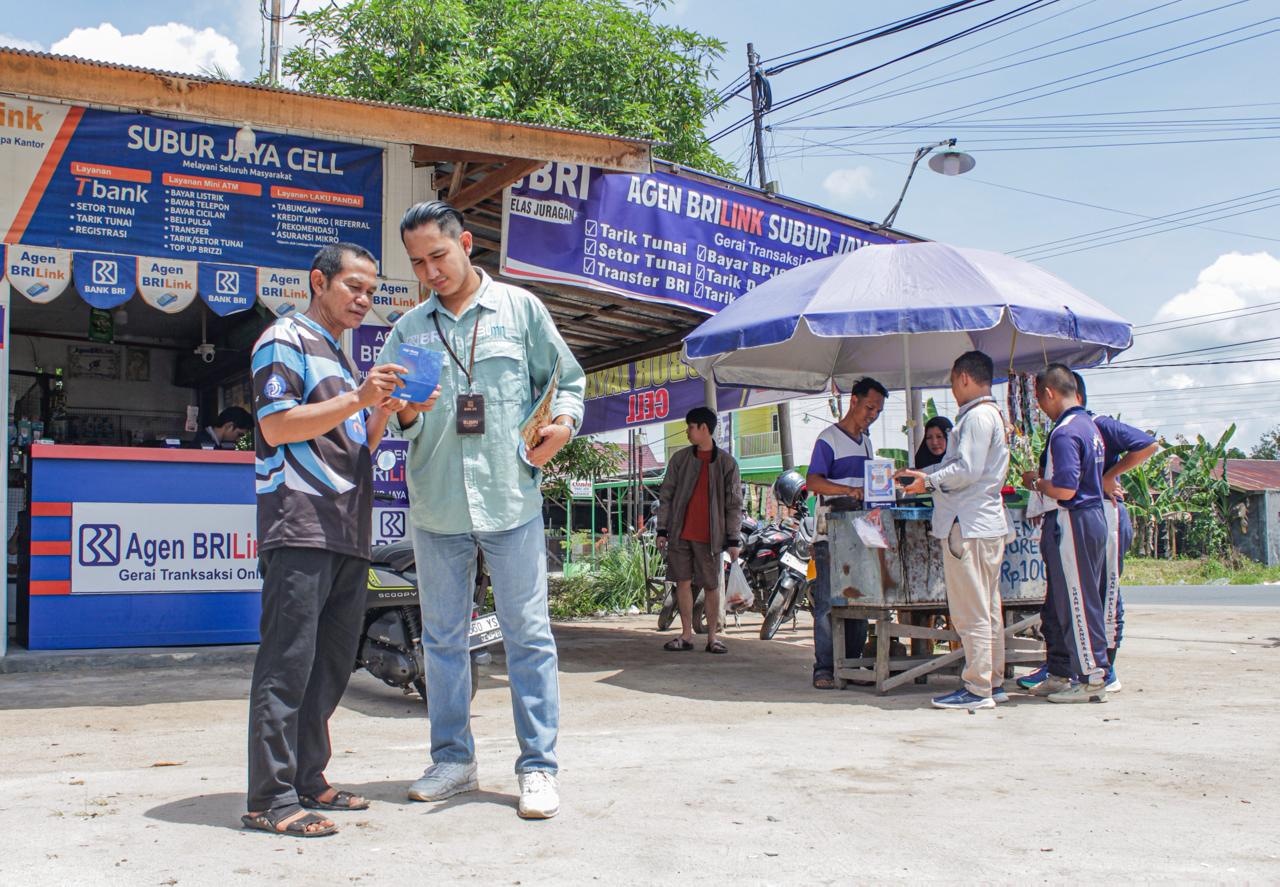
column 1073, row 542
column 1124, row 448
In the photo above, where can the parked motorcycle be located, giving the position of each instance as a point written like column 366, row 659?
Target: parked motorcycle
column 792, row 587
column 391, row 641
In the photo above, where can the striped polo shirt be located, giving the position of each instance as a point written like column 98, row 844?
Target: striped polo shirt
column 316, row 493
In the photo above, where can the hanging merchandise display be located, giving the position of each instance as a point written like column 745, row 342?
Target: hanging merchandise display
column 167, row 284
column 105, row 280
column 284, row 291
column 39, row 273
column 227, row 289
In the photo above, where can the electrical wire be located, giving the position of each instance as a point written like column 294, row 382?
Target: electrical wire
column 927, row 120
column 951, row 78
column 881, row 82
column 1018, row 11
column 898, row 27
column 1131, row 227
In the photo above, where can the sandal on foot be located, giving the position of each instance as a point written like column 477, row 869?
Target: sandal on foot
column 292, row 821
column 678, row 645
column 824, row 682
column 342, row 800
column 717, row 646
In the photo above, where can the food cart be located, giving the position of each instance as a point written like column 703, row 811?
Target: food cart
column 889, row 586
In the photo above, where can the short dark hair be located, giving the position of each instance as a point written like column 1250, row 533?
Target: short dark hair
column 865, row 385
column 328, row 260
column 1057, row 377
column 976, row 365
column 701, row 416
column 433, row 212
column 239, row 415
column 1084, row 397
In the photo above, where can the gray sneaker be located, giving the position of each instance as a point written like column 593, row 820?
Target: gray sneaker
column 444, row 780
column 1051, row 684
column 1080, row 691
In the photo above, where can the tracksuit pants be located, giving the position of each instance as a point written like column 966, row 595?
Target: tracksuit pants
column 1119, row 538
column 1074, row 545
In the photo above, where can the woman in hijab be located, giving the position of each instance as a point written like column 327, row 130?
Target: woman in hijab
column 934, row 447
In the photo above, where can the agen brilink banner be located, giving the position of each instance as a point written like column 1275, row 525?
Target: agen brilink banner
column 659, row 237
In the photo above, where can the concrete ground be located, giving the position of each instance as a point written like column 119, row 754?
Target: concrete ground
column 679, row 765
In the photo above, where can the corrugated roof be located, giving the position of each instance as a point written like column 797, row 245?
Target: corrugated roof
column 1245, row 475
column 1253, row 475
column 280, row 90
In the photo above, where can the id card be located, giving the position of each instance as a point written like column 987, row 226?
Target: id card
column 470, row 414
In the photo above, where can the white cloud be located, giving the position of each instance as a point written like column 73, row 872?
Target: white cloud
column 170, row 47
column 18, row 43
column 1204, row 400
column 849, row 184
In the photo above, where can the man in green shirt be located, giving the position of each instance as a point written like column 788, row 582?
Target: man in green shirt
column 471, row 489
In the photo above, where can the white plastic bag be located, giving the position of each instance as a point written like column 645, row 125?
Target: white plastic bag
column 737, row 589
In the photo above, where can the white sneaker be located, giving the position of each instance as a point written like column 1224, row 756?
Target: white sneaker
column 1081, row 691
column 539, row 795
column 444, row 780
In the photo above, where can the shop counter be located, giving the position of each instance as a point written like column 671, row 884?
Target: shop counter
column 139, row 547
column 892, row 586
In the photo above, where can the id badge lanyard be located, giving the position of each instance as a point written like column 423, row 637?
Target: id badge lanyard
column 470, row 406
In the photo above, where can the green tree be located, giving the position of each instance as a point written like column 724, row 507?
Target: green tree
column 1268, row 446
column 599, row 65
column 580, row 459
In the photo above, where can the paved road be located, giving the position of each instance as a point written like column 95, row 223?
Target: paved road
column 1204, row 595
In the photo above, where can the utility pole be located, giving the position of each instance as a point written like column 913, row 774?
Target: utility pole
column 274, row 63
column 757, row 119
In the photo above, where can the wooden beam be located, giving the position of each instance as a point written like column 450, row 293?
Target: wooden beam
column 38, row 75
column 456, row 179
column 493, row 183
column 425, row 155
column 650, row 348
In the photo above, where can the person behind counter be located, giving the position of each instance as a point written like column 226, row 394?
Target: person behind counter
column 699, row 517
column 314, row 479
column 836, row 469
column 1073, row 542
column 231, row 424
column 969, row 522
column 937, row 431
column 471, row 491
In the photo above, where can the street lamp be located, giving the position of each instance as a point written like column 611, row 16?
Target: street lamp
column 949, row 163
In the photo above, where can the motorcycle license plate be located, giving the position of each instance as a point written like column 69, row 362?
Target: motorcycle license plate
column 485, row 631
column 792, row 562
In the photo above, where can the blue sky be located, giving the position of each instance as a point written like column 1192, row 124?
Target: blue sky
column 1224, row 152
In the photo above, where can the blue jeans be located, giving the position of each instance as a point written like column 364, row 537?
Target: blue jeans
column 855, row 630
column 517, row 562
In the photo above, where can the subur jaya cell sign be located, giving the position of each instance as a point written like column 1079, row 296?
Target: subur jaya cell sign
column 659, row 237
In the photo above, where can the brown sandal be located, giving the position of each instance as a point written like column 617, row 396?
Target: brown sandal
column 292, row 821
column 677, row 645
column 717, row 646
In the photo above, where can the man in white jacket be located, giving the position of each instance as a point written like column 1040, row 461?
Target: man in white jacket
column 969, row 519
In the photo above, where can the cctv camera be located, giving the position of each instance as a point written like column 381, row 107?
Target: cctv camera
column 206, row 352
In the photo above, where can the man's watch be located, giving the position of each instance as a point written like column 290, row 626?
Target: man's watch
column 567, row 422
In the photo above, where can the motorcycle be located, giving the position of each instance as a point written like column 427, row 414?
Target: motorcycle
column 793, row 587
column 390, row 646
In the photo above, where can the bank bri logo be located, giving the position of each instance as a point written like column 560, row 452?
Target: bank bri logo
column 99, row 545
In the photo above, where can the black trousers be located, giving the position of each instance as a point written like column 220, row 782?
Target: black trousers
column 313, row 604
